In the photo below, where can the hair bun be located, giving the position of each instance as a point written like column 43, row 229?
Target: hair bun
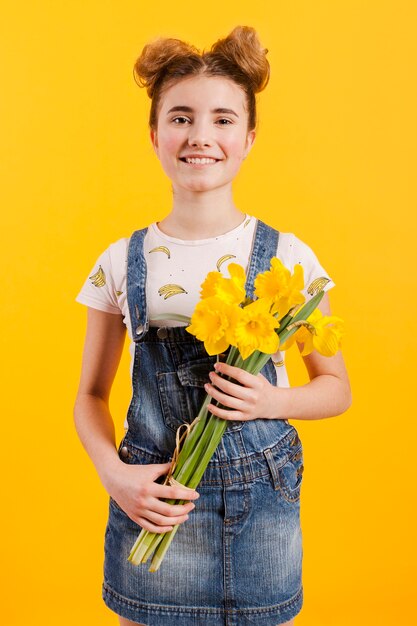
column 156, row 56
column 243, row 48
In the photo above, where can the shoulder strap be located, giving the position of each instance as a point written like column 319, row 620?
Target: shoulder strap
column 136, row 284
column 264, row 247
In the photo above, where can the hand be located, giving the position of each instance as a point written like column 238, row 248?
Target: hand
column 256, row 398
column 134, row 490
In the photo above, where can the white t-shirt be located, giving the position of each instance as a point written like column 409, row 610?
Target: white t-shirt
column 176, row 268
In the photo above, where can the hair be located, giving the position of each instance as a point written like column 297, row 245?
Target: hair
column 238, row 57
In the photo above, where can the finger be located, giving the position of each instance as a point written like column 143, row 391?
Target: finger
column 225, row 414
column 238, row 391
column 171, row 509
column 153, row 528
column 235, row 372
column 165, row 520
column 172, row 493
column 159, row 469
column 230, row 401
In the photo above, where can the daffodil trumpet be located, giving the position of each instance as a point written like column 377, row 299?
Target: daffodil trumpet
column 254, row 329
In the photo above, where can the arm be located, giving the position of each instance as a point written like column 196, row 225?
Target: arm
column 103, row 348
column 131, row 486
column 327, row 394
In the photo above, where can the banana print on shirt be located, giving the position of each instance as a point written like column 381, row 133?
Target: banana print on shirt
column 99, row 278
column 162, row 249
column 170, row 290
column 224, row 258
column 317, row 284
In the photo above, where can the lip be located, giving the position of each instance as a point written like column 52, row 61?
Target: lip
column 198, row 156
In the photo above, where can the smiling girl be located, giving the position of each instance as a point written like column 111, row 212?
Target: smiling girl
column 238, row 559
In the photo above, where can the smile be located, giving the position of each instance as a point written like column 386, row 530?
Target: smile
column 199, row 163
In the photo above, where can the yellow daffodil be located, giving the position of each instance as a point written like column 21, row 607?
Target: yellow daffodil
column 256, row 329
column 230, row 290
column 214, row 322
column 280, row 287
column 323, row 333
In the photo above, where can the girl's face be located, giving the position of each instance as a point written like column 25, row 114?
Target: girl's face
column 202, row 117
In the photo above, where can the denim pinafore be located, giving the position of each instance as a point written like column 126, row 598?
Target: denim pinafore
column 237, row 560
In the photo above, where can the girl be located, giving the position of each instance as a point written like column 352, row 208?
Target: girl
column 238, row 559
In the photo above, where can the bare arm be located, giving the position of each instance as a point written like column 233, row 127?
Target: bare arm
column 101, row 357
column 133, row 487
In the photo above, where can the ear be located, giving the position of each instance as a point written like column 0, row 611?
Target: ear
column 249, row 142
column 154, row 140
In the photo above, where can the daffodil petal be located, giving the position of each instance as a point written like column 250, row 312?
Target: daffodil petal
column 236, row 271
column 270, row 344
column 308, row 345
column 326, row 342
column 216, row 347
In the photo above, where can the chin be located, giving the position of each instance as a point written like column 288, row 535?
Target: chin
column 199, row 186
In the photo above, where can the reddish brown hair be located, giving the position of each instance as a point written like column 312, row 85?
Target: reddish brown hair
column 238, row 57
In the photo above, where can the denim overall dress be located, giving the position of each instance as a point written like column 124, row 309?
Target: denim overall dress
column 237, row 560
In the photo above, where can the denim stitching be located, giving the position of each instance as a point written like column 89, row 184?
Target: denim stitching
column 201, row 610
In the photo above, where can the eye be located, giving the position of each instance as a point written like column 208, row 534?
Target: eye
column 224, row 119
column 180, row 118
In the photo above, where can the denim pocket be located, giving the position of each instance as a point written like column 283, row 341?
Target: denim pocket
column 286, row 464
column 133, row 455
column 182, row 392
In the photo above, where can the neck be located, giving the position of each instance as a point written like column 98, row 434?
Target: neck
column 201, row 215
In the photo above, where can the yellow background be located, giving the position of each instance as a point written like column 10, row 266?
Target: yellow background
column 334, row 162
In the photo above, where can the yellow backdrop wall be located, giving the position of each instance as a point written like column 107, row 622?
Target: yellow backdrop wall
column 334, row 162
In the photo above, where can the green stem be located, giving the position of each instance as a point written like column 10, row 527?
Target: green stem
column 141, row 545
column 303, row 313
column 189, row 472
column 162, row 548
column 193, row 437
column 194, row 448
column 220, row 426
column 284, row 322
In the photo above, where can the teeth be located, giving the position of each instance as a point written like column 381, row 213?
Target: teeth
column 196, row 160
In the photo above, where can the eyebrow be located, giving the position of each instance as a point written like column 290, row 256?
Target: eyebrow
column 187, row 109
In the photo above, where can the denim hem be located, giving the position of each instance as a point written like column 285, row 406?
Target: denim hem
column 165, row 615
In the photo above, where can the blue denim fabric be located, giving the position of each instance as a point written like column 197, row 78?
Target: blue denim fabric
column 237, row 560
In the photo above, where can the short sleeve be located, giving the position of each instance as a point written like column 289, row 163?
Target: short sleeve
column 315, row 276
column 98, row 290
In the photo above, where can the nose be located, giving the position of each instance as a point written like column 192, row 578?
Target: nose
column 199, row 134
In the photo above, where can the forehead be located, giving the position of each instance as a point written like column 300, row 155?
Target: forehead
column 204, row 92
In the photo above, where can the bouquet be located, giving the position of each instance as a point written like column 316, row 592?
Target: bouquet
column 254, row 329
